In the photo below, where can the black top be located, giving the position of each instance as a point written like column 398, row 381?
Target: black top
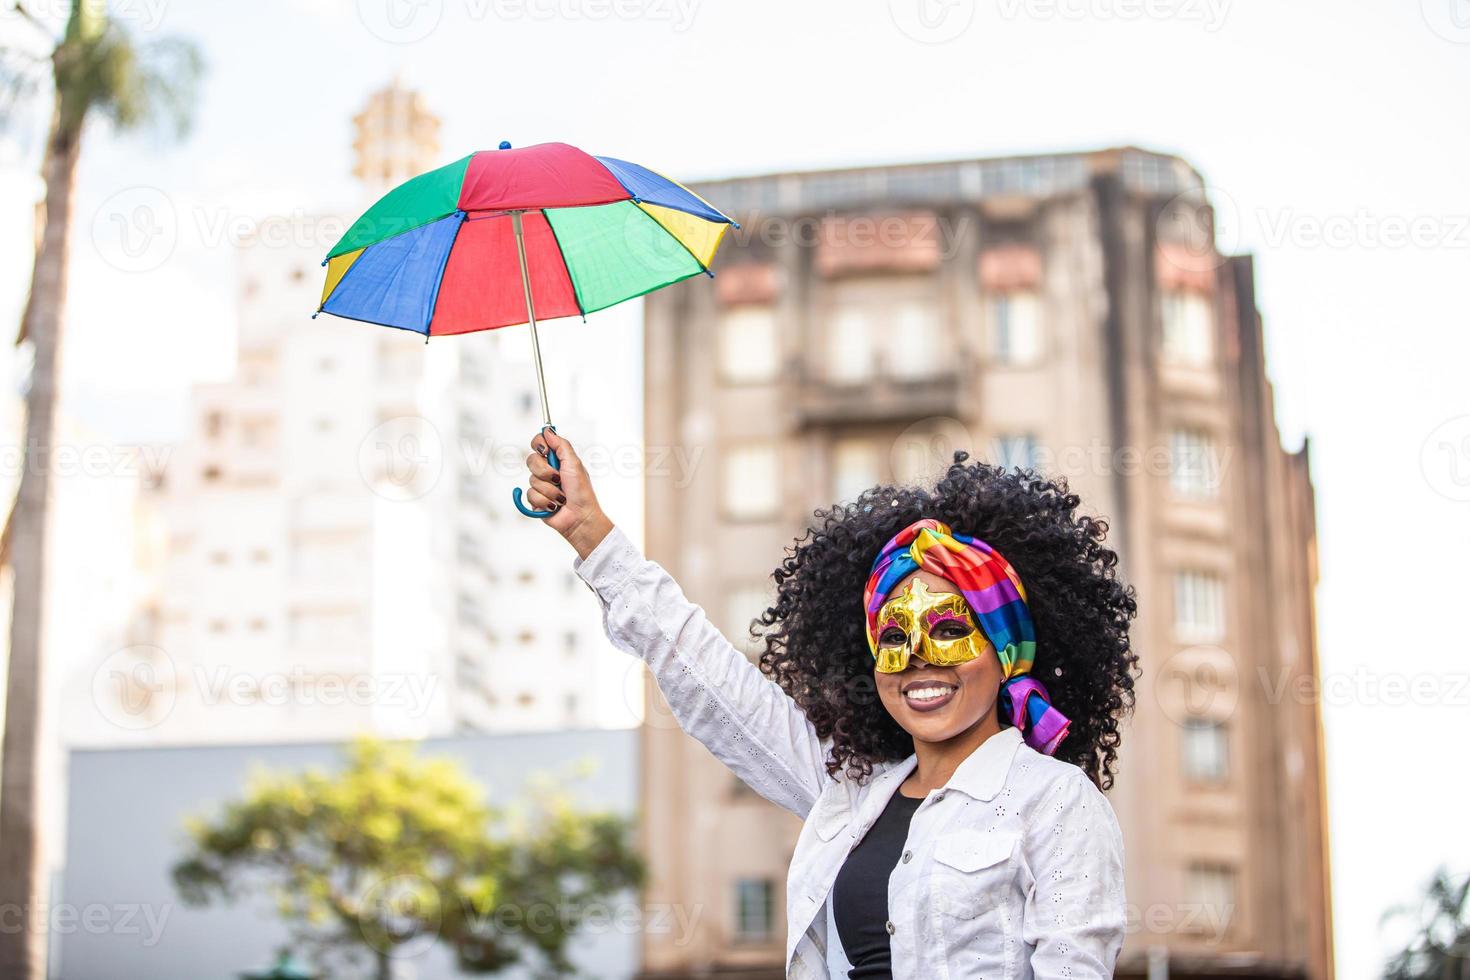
column 860, row 894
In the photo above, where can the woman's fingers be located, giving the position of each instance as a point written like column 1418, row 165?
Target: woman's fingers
column 566, row 491
column 540, row 501
column 547, row 491
column 542, row 468
column 564, row 450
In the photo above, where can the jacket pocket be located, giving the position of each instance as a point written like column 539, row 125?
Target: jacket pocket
column 973, row 876
column 970, row 850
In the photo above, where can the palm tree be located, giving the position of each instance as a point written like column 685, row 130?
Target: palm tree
column 1440, row 946
column 97, row 69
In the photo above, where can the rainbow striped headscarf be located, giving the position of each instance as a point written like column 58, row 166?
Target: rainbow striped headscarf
column 998, row 600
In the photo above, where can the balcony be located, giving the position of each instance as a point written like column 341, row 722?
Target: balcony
column 819, row 396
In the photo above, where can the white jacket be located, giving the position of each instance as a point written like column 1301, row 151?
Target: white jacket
column 1014, row 869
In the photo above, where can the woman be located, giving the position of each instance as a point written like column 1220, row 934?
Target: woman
column 954, row 825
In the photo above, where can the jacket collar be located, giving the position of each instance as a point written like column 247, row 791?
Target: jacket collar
column 983, row 774
column 835, row 808
column 979, row 777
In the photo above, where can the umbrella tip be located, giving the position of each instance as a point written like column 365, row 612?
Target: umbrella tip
column 505, row 144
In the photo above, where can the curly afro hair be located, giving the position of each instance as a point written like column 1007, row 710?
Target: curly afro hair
column 817, row 651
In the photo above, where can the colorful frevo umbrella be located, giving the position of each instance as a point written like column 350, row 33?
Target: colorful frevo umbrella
column 509, row 236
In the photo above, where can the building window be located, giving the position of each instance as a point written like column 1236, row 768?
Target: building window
column 751, row 484
column 1015, row 452
column 214, row 424
column 748, row 346
column 883, row 327
column 753, row 909
column 914, row 340
column 1015, row 327
column 1194, row 468
column 1206, row 750
column 1199, row 607
column 1188, row 328
column 854, row 468
column 1210, row 888
column 327, row 630
column 850, row 354
column 257, row 432
column 467, row 610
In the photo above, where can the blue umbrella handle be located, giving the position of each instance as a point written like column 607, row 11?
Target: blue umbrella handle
column 516, row 493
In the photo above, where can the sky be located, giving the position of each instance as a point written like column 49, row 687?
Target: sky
column 1331, row 135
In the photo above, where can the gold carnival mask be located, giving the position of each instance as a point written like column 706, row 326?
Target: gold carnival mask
column 936, row 626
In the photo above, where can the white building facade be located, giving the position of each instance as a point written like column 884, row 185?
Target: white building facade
column 336, row 548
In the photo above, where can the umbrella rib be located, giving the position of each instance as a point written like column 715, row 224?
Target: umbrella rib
column 439, row 283
column 561, row 254
column 702, row 267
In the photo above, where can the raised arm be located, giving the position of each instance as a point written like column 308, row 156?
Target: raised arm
column 718, row 696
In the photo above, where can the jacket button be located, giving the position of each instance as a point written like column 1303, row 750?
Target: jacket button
column 889, row 926
column 908, row 856
column 939, row 798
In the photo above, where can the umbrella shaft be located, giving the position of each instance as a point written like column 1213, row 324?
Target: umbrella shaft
column 515, row 217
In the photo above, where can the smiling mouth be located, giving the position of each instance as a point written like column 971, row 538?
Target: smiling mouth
column 927, row 695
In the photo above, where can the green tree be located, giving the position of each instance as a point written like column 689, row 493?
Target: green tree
column 395, row 852
column 96, row 69
column 1439, row 949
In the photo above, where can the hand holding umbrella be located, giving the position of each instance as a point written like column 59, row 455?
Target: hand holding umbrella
column 503, row 236
column 565, row 492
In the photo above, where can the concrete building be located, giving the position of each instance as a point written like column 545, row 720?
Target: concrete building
column 335, row 550
column 1082, row 320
